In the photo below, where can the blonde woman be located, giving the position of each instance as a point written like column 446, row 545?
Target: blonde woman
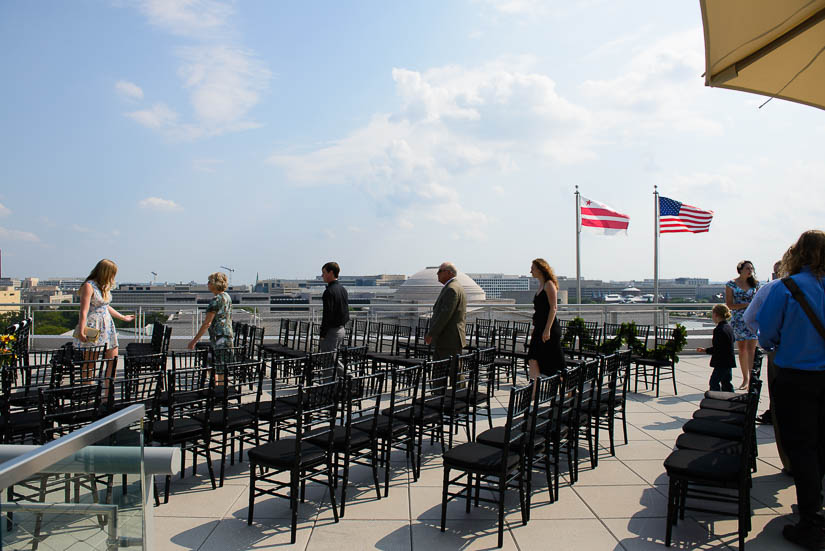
column 545, row 355
column 218, row 320
column 95, row 311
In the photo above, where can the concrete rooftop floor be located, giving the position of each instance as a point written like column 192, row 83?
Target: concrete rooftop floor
column 620, row 505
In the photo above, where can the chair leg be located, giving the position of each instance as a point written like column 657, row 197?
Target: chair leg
column 209, row 464
column 251, row 492
column 468, row 497
column 331, row 493
column 344, row 481
column 167, row 486
column 444, row 498
column 673, row 373
column 374, row 465
column 671, row 511
column 293, row 501
column 223, row 457
column 502, row 487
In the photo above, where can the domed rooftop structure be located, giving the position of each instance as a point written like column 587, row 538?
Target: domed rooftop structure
column 424, row 287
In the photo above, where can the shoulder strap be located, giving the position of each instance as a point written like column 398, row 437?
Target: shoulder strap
column 796, row 293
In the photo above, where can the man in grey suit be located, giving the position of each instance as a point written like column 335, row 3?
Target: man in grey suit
column 446, row 332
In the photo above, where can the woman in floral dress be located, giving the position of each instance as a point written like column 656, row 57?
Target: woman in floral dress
column 218, row 320
column 95, row 311
column 739, row 293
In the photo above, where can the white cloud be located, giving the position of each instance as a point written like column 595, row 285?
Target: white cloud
column 659, row 89
column 129, row 90
column 187, row 17
column 519, row 7
column 4, row 210
column 224, row 81
column 17, row 235
column 80, row 229
column 451, row 122
column 158, row 204
column 157, row 117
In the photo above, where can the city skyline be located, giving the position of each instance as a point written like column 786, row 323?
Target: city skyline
column 178, row 137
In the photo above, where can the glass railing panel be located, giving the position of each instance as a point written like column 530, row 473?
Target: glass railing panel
column 90, row 499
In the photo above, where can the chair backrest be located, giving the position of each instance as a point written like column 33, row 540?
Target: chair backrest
column 486, row 368
column 545, row 405
column 623, row 373
column 469, row 331
column 286, row 374
column 361, row 400
column 240, row 383
column 463, row 377
column 283, row 332
column 88, row 352
column 591, row 346
column 151, row 364
column 568, row 398
column 354, row 359
column 748, row 441
column 423, row 323
column 485, row 335
column 158, row 330
column 320, row 368
column 589, row 383
column 190, row 393
column 255, row 349
column 404, row 388
column 501, row 324
column 66, row 409
column 141, row 389
column 42, row 357
column 83, row 370
column 403, row 336
column 358, row 337
column 435, row 382
column 189, row 359
column 316, row 414
column 304, row 336
column 516, row 428
column 384, row 337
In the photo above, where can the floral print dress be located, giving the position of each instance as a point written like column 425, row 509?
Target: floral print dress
column 99, row 318
column 737, row 322
column 220, row 330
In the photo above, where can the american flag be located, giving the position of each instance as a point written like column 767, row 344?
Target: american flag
column 678, row 217
column 600, row 218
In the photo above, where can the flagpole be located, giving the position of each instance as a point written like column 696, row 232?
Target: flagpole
column 578, row 247
column 655, row 252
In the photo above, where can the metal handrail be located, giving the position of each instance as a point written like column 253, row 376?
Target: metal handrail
column 35, row 461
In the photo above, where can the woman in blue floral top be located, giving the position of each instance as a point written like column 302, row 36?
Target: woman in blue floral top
column 218, row 320
column 739, row 293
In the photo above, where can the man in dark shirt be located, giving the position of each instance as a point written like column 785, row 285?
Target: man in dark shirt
column 336, row 309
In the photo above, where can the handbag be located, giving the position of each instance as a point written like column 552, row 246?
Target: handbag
column 92, row 333
column 796, row 293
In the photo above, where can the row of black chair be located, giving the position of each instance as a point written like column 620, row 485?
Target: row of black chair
column 715, row 456
column 544, row 418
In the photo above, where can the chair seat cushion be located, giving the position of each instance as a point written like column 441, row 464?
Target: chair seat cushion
column 481, row 397
column 383, row 426
column 139, row 349
column 281, row 454
column 651, row 362
column 728, row 417
column 22, row 422
column 714, row 428
column 723, row 405
column 719, row 395
column 715, row 467
column 358, row 439
column 419, row 416
column 705, row 443
column 495, row 437
column 477, row 457
column 235, row 418
column 185, row 429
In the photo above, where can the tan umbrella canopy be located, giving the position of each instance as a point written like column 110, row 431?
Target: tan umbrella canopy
column 771, row 47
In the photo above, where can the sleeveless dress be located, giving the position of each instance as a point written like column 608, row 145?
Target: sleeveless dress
column 737, row 321
column 549, row 355
column 99, row 318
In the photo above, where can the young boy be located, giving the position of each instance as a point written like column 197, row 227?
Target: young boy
column 721, row 351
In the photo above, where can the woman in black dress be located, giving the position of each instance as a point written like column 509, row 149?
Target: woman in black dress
column 544, row 355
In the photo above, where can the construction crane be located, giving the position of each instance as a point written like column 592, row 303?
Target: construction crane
column 154, row 277
column 231, row 271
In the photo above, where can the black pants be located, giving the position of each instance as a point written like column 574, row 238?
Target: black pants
column 799, row 408
column 720, row 379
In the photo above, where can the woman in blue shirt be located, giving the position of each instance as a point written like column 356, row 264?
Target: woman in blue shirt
column 799, row 388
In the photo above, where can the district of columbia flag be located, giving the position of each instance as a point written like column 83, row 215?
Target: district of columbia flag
column 677, row 217
column 602, row 219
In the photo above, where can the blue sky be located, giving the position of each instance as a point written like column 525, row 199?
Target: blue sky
column 178, row 136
